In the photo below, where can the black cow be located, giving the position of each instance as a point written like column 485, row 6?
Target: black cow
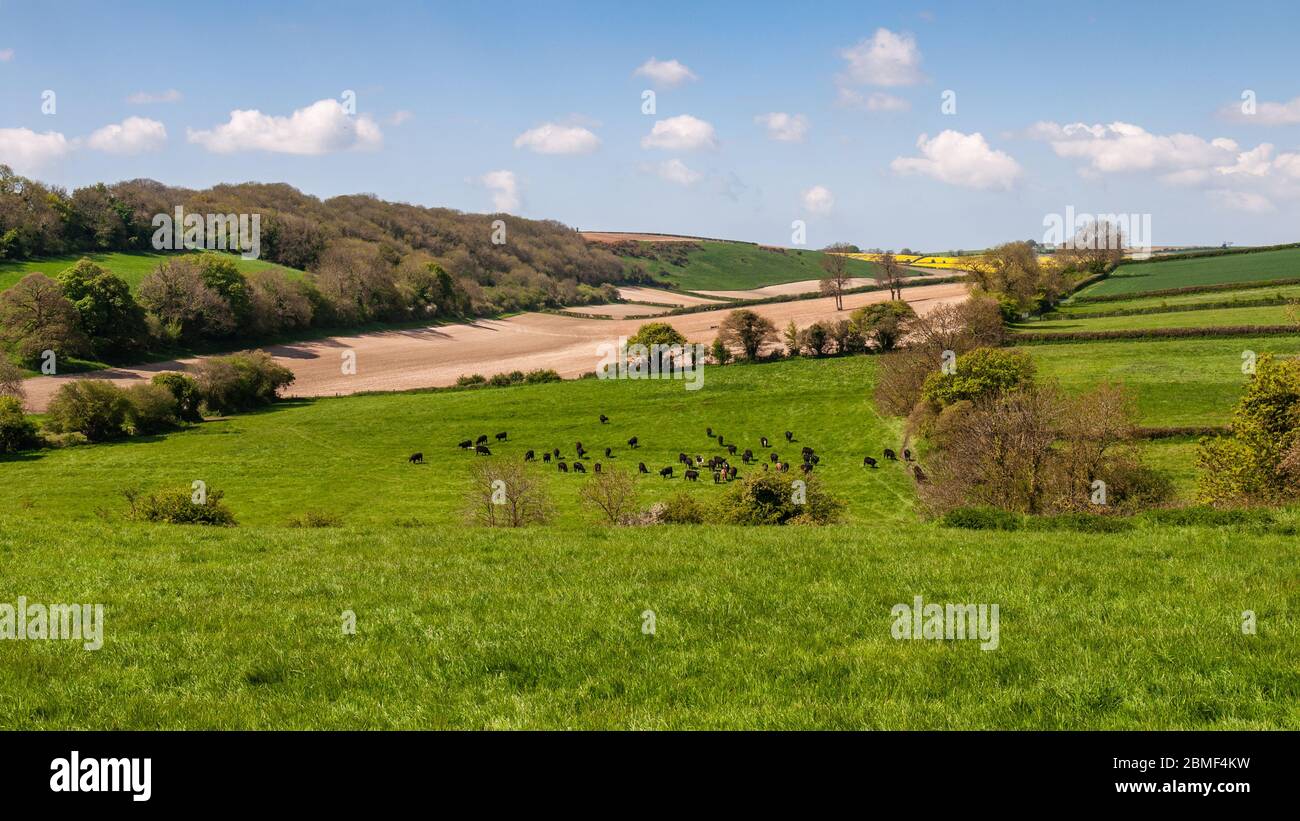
column 683, row 458
column 921, row 478
column 789, row 436
column 481, row 439
column 579, row 467
column 501, row 437
column 868, row 462
column 732, row 473
column 482, row 450
column 603, row 419
column 557, row 454
column 763, row 440
column 467, row 444
column 907, row 455
column 890, row 455
column 806, row 452
column 815, row 459
column 632, row 443
column 609, row 453
column 747, row 456
column 416, row 458
column 717, row 477
column 774, row 457
column 667, row 472
column 598, row 467
column 563, row 467
column 709, row 432
column 806, row 467
column 528, row 457
column 641, row 468
column 692, row 475
column 731, row 449
column 546, row 457
column 581, row 450
column 783, row 467
column 720, row 442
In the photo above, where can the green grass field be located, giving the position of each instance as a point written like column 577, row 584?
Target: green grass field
column 1214, row 317
column 1182, row 273
column 1180, row 300
column 1177, row 381
column 462, row 627
column 130, row 267
column 736, row 266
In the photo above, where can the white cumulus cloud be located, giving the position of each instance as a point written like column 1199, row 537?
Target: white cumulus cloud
column 27, row 152
column 786, row 128
column 886, row 58
column 550, row 138
column 960, row 159
column 680, row 133
column 504, row 187
column 1247, row 201
column 818, row 200
column 1266, row 113
column 320, row 128
column 134, row 135
column 676, row 171
column 665, row 73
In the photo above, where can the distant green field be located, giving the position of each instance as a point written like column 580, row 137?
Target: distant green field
column 1181, row 273
column 736, row 266
column 1259, row 315
column 130, row 267
column 1177, row 381
column 1245, row 295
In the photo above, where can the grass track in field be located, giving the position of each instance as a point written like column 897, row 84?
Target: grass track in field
column 130, row 267
column 1181, row 273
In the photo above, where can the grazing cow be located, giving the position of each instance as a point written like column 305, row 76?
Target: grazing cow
column 579, row 467
column 467, row 444
column 481, row 439
column 699, row 460
column 641, row 468
column 907, row 455
column 557, row 454
column 667, row 472
column 774, row 457
column 683, row 458
column 692, row 475
column 720, row 442
column 529, row 456
column 766, row 444
column 806, row 467
column 919, row 474
column 416, row 458
column 709, row 432
column 731, row 449
column 632, row 443
column 546, row 457
column 732, row 473
column 815, row 459
column 717, row 477
column 563, row 467
column 501, row 437
column 581, row 450
column 604, row 419
column 482, row 450
column 784, row 467
column 868, row 462
column 890, row 455
column 609, row 453
column 598, row 467
column 789, row 436
column 806, row 452
column 747, row 456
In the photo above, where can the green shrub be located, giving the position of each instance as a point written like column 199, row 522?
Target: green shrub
column 473, row 381
column 316, row 518
column 95, row 408
column 981, row 518
column 186, row 393
column 979, row 373
column 151, row 409
column 17, row 431
column 241, row 381
column 541, row 376
column 178, row 507
column 1080, row 523
column 769, row 498
column 682, row 508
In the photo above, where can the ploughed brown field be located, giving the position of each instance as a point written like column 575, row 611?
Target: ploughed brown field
column 620, row 236
column 436, row 356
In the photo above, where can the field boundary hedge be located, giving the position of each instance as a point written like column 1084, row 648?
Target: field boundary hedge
column 1045, row 337
column 1175, row 431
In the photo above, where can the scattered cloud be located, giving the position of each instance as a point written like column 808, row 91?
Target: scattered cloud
column 1266, row 113
column 818, row 200
column 960, row 159
column 786, row 128
column 665, row 73
column 1247, row 201
column 171, row 95
column 676, row 171
column 6, row 55
column 1126, row 147
column 551, row 138
column 505, row 189
column 28, row 152
column 399, row 117
column 886, row 58
column 321, row 128
column 680, row 133
column 134, row 135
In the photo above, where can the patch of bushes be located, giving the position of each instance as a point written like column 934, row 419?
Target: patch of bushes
column 97, row 409
column 505, row 380
column 150, row 409
column 186, row 393
column 178, row 507
column 682, row 509
column 316, row 518
column 241, row 381
column 17, row 431
column 774, row 499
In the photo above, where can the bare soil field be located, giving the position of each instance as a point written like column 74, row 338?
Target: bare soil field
column 619, row 236
column 436, row 356
column 638, row 293
column 619, row 310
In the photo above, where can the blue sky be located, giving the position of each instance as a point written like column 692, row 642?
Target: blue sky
column 1102, row 107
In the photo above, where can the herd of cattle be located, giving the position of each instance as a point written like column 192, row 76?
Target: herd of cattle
column 719, row 466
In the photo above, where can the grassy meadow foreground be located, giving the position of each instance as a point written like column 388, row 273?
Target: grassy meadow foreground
column 464, row 627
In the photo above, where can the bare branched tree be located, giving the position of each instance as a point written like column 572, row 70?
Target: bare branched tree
column 506, row 494
column 613, row 493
